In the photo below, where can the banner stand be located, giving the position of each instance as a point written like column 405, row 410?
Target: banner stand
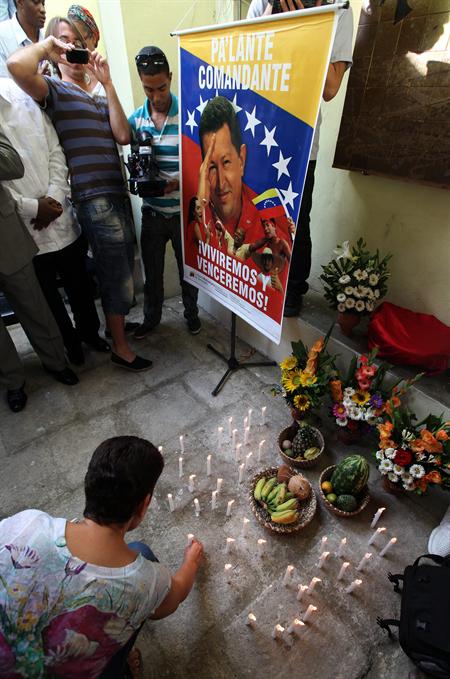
column 232, row 362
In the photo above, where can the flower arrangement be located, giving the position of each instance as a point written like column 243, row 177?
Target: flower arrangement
column 356, row 279
column 305, row 376
column 413, row 455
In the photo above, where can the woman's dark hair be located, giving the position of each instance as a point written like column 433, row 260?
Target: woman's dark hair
column 217, row 113
column 192, row 216
column 123, row 470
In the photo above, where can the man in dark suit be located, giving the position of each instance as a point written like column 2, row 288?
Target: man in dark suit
column 20, row 285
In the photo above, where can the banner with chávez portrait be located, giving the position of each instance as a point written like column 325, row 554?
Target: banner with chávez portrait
column 249, row 98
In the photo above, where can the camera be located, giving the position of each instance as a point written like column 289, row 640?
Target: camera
column 78, row 56
column 144, row 172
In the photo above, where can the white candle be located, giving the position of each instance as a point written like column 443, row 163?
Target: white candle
column 227, row 569
column 288, row 575
column 390, row 544
column 277, row 632
column 251, row 619
column 229, row 545
column 376, row 516
column 245, row 523
column 301, row 590
column 219, row 437
column 352, row 586
column 208, row 465
column 237, row 452
column 245, row 422
column 197, row 507
column 230, row 426
column 171, row 502
column 190, row 537
column 241, row 472
column 363, row 561
column 180, row 467
column 263, row 414
column 260, row 447
column 219, row 484
column 312, row 584
column 182, row 443
column 296, row 626
column 342, row 544
column 248, row 459
column 214, row 499
column 309, row 611
column 250, row 411
column 323, row 558
column 233, row 438
column 191, row 483
column 229, row 506
column 261, row 545
column 374, row 536
column 344, row 567
column 246, row 435
column 323, row 542
column 160, row 448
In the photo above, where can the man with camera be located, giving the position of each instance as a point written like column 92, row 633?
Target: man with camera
column 155, row 124
column 340, row 61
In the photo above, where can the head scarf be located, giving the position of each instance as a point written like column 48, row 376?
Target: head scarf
column 79, row 13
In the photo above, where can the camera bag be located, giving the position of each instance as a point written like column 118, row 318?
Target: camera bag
column 424, row 625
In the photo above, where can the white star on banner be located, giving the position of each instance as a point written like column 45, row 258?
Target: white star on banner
column 200, row 108
column 289, row 195
column 191, row 120
column 235, row 104
column 269, row 140
column 252, row 121
column 281, row 166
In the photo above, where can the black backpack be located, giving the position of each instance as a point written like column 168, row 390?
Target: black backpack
column 424, row 625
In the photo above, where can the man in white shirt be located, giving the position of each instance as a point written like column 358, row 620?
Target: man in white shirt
column 42, row 199
column 24, row 28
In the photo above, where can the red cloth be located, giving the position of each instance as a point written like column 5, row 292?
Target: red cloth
column 405, row 337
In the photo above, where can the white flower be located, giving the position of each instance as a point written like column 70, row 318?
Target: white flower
column 385, row 466
column 408, row 486
column 358, row 274
column 393, row 477
column 420, row 456
column 369, row 293
column 417, row 471
column 359, row 306
column 349, row 290
column 364, row 275
column 373, row 279
column 349, row 303
column 389, row 452
column 340, row 297
column 407, row 478
column 398, row 470
column 341, row 308
column 369, row 413
column 363, row 291
column 344, row 279
column 407, row 435
column 349, row 391
column 372, row 420
column 348, row 403
column 342, row 423
column 343, row 251
column 369, row 306
column 356, row 414
column 376, row 293
column 379, row 455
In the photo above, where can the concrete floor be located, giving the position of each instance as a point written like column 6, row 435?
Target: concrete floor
column 44, row 453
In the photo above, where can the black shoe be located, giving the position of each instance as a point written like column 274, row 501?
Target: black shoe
column 129, row 327
column 75, row 354
column 194, row 325
column 292, row 307
column 138, row 365
column 144, row 329
column 98, row 344
column 17, row 399
column 65, row 376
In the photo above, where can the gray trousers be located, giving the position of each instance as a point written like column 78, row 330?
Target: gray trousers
column 24, row 294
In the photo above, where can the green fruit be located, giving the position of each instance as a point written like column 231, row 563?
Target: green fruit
column 311, row 453
column 274, row 492
column 331, row 497
column 350, row 475
column 347, row 503
column 258, row 488
column 289, row 504
column 289, row 452
column 268, row 487
column 305, row 438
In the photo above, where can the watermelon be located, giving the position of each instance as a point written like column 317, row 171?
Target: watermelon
column 350, row 475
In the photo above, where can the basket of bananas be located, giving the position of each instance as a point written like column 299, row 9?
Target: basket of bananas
column 282, row 500
column 301, row 445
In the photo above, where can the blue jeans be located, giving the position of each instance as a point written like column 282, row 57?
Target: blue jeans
column 117, row 666
column 107, row 223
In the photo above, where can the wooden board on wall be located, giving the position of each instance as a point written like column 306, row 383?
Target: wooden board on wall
column 396, row 118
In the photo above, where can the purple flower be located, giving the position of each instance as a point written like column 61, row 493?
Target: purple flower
column 376, row 401
column 340, row 411
column 73, row 568
column 22, row 557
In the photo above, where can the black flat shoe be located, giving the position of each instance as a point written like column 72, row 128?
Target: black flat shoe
column 65, row 376
column 17, row 399
column 138, row 365
column 98, row 344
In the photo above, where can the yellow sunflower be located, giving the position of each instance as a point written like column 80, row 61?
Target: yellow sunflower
column 306, row 379
column 360, row 397
column 291, row 380
column 302, row 402
column 288, row 363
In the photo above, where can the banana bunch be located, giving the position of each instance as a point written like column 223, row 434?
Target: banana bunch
column 276, row 499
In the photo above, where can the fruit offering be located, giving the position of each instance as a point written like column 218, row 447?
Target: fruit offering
column 347, row 481
column 281, row 498
column 304, row 445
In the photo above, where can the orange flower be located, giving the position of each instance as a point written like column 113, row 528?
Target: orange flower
column 336, row 390
column 432, row 446
column 316, row 347
column 311, row 366
column 422, row 484
column 387, row 443
column 418, row 445
column 385, row 429
column 433, row 477
column 392, row 404
column 442, row 435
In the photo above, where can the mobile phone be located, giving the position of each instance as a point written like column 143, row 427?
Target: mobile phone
column 78, row 56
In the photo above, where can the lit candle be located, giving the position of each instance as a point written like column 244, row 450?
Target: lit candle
column 197, row 507
column 214, row 499
column 246, row 435
column 323, row 542
column 374, row 536
column 245, row 422
column 376, row 516
column 180, row 467
column 190, row 537
column 241, row 472
column 171, row 502
column 245, row 523
column 219, row 437
column 390, row 544
column 250, row 411
column 301, row 590
column 287, row 575
column 230, row 426
column 229, row 506
column 344, row 567
column 263, row 414
column 312, row 584
column 352, row 586
column 191, row 483
column 251, row 619
column 260, row 447
column 277, row 632
column 340, row 551
column 363, row 561
column 296, row 626
column 160, row 448
column 219, row 485
column 237, row 454
column 182, row 443
column 227, row 569
column 323, row 557
column 261, row 545
column 229, row 545
column 248, row 459
column 233, row 438
column 208, row 465
column 309, row 611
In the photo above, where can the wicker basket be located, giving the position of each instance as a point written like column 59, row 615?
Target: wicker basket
column 289, row 434
column 363, row 497
column 307, row 508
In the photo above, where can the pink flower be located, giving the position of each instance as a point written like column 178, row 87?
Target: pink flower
column 364, row 385
column 340, row 411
